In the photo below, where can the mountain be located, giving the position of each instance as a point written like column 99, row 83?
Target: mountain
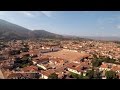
column 12, row 31
column 45, row 34
column 105, row 38
column 9, row 31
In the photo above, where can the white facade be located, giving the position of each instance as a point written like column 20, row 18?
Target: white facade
column 74, row 71
column 102, row 69
column 41, row 66
column 34, row 62
column 44, row 76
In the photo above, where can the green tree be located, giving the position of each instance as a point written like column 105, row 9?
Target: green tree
column 90, row 74
column 96, row 63
column 83, row 77
column 53, row 76
column 74, row 75
column 25, row 49
column 97, row 75
column 111, row 75
column 14, row 52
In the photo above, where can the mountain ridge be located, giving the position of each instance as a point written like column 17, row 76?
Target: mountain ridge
column 12, row 31
column 9, row 30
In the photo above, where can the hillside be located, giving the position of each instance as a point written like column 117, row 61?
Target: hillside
column 45, row 34
column 12, row 31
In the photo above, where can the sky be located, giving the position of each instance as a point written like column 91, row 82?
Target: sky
column 79, row 23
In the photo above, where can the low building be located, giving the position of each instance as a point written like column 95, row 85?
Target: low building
column 45, row 74
column 105, row 67
column 30, row 69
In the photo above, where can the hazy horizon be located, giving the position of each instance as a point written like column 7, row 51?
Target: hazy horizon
column 76, row 23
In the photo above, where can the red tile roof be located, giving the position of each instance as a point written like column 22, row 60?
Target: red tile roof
column 47, row 72
column 30, row 69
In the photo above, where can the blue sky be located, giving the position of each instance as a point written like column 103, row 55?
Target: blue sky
column 79, row 23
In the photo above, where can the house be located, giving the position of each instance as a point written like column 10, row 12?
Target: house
column 103, row 75
column 73, row 67
column 31, row 75
column 34, row 53
column 45, row 74
column 105, row 66
column 56, row 61
column 23, row 54
column 118, row 74
column 74, row 70
column 54, row 49
column 78, row 68
column 60, row 72
column 45, row 50
column 15, row 76
column 42, row 66
column 34, row 61
column 30, row 69
column 116, row 68
column 43, row 60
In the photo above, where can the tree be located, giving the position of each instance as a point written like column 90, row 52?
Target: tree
column 14, row 52
column 74, row 75
column 84, row 77
column 96, row 63
column 97, row 75
column 111, row 75
column 25, row 49
column 94, row 56
column 53, row 76
column 90, row 74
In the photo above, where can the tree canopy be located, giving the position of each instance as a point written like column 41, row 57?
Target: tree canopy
column 96, row 62
column 111, row 75
column 53, row 76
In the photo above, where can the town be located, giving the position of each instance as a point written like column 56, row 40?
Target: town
column 59, row 59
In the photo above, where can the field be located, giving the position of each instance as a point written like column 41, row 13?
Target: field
column 67, row 54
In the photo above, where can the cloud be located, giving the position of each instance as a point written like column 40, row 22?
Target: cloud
column 2, row 12
column 27, row 13
column 118, row 26
column 47, row 13
column 106, row 20
column 102, row 27
column 36, row 13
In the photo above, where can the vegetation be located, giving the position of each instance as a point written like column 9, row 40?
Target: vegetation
column 118, row 42
column 91, row 74
column 14, row 52
column 25, row 61
column 96, row 62
column 74, row 75
column 111, row 75
column 53, row 76
column 25, row 49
